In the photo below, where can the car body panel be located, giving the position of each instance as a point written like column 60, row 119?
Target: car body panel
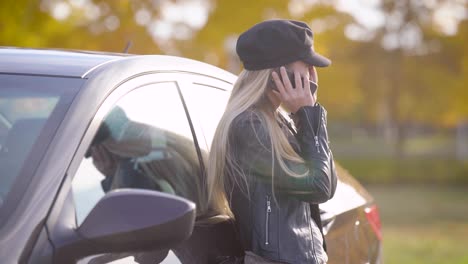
column 349, row 236
column 50, row 62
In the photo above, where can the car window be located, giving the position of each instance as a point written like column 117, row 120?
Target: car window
column 24, row 117
column 206, row 115
column 5, row 125
column 144, row 142
column 31, row 108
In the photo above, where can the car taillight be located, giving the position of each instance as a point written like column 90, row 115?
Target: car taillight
column 372, row 214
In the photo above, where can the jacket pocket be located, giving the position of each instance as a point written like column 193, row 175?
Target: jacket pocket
column 267, row 220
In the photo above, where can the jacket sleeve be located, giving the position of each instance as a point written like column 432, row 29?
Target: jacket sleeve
column 254, row 149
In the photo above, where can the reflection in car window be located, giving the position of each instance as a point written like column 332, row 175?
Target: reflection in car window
column 144, row 142
column 24, row 118
column 128, row 258
column 30, row 110
column 195, row 97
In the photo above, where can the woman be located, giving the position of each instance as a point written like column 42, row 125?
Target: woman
column 267, row 173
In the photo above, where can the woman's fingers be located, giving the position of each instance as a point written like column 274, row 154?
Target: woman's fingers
column 287, row 83
column 277, row 93
column 307, row 86
column 293, row 98
column 298, row 81
column 277, row 80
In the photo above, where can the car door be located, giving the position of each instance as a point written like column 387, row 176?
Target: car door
column 206, row 98
column 140, row 138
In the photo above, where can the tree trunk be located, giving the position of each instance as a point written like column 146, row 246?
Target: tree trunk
column 461, row 143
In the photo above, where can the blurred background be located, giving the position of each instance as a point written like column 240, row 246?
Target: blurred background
column 396, row 93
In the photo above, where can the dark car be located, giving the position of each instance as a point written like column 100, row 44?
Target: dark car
column 102, row 160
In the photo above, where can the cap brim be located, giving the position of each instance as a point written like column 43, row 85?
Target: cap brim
column 315, row 59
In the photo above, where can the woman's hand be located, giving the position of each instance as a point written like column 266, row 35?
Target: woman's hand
column 293, row 98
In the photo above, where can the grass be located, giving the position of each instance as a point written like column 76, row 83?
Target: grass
column 425, row 159
column 387, row 170
column 426, row 244
column 423, row 196
column 435, row 145
column 423, row 224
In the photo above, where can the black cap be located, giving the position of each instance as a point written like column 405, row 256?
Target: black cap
column 274, row 43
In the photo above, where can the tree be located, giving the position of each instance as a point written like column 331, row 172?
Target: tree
column 411, row 69
column 400, row 73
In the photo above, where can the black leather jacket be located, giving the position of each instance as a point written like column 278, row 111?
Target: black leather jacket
column 275, row 224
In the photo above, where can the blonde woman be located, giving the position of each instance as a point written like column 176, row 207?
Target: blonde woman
column 268, row 173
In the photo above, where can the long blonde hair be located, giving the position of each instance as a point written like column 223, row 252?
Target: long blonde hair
column 249, row 93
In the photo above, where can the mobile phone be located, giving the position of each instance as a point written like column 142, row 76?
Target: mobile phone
column 313, row 85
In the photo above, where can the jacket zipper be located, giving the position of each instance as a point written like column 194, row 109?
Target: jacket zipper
column 267, row 220
column 308, row 217
column 317, row 143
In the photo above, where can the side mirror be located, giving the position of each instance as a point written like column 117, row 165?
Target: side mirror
column 130, row 220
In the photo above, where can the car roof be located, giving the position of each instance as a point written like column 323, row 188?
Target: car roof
column 67, row 63
column 88, row 64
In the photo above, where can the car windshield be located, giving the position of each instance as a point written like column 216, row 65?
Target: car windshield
column 30, row 111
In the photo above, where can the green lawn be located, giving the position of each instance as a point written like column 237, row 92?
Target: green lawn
column 423, row 224
column 437, row 244
column 385, row 170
